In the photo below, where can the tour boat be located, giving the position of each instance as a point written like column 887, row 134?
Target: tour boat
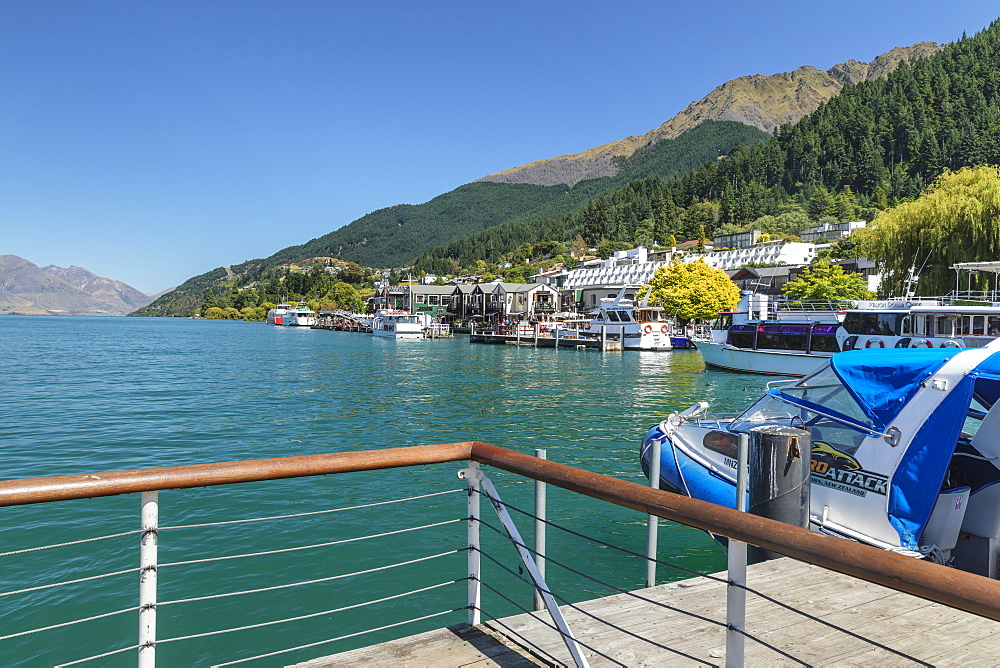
column 638, row 326
column 795, row 339
column 299, row 316
column 276, row 316
column 398, row 324
column 905, row 450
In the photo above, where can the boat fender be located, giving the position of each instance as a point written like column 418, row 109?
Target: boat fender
column 874, row 342
column 951, row 343
column 922, row 343
column 664, row 329
column 648, row 329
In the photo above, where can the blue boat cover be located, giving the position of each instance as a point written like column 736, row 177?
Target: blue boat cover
column 882, row 381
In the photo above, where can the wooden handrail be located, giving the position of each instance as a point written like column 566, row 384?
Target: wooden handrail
column 958, row 589
column 62, row 488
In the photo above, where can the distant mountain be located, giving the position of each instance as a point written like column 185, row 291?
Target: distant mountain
column 764, row 102
column 32, row 290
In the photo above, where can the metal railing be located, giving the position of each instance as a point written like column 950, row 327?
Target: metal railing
column 957, row 589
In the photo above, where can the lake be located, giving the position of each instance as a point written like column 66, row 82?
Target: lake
column 86, row 395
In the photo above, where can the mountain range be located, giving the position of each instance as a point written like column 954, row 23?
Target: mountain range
column 762, row 101
column 742, row 111
column 26, row 288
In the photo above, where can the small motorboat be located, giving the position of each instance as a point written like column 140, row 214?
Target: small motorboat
column 905, row 450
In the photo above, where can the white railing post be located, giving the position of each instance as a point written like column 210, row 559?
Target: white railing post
column 540, row 530
column 147, row 580
column 652, row 521
column 736, row 595
column 473, row 475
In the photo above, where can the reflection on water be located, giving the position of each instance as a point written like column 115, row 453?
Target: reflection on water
column 99, row 394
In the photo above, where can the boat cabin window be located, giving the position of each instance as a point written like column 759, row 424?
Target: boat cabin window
column 782, row 337
column 625, row 316
column 723, row 321
column 883, row 324
column 918, row 325
column 993, row 325
column 824, row 339
column 823, row 389
column 978, row 325
column 944, row 325
column 742, row 336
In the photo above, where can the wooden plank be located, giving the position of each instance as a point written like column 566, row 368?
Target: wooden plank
column 460, row 645
column 904, row 629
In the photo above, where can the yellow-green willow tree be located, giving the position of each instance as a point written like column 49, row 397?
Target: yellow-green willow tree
column 692, row 290
column 957, row 219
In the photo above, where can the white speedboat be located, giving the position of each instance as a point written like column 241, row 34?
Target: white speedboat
column 276, row 316
column 905, row 450
column 299, row 316
column 397, row 324
column 791, row 339
column 637, row 326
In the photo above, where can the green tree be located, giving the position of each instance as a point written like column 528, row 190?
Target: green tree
column 827, row 281
column 255, row 314
column 343, row 296
column 352, row 273
column 214, row 313
column 693, row 290
column 957, row 219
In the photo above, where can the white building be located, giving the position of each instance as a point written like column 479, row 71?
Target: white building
column 604, row 278
column 831, row 231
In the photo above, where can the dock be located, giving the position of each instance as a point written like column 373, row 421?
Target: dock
column 840, row 621
column 607, row 345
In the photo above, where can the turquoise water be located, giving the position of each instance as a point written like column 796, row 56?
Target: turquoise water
column 86, row 395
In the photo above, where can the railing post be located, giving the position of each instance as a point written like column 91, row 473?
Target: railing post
column 652, row 521
column 736, row 595
column 147, row 580
column 473, row 475
column 540, row 530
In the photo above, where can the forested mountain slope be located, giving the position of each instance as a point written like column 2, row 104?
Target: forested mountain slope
column 879, row 142
column 763, row 101
column 395, row 236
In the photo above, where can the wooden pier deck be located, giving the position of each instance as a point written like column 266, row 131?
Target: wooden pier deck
column 609, row 345
column 854, row 623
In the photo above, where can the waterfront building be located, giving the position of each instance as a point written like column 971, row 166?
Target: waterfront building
column 831, row 231
column 430, row 299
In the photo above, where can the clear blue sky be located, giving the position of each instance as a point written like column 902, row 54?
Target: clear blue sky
column 152, row 141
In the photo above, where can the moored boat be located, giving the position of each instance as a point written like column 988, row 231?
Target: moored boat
column 793, row 339
column 299, row 316
column 276, row 316
column 637, row 326
column 905, row 450
column 397, row 324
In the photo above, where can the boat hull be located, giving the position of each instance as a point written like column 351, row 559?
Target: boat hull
column 777, row 363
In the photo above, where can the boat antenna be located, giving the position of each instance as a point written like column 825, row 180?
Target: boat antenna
column 910, row 284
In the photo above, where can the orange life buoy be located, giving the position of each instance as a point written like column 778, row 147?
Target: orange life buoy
column 648, row 329
column 922, row 343
column 543, row 329
column 951, row 343
column 664, row 329
column 874, row 343
column 587, row 326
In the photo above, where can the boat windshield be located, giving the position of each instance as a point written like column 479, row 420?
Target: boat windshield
column 820, row 402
